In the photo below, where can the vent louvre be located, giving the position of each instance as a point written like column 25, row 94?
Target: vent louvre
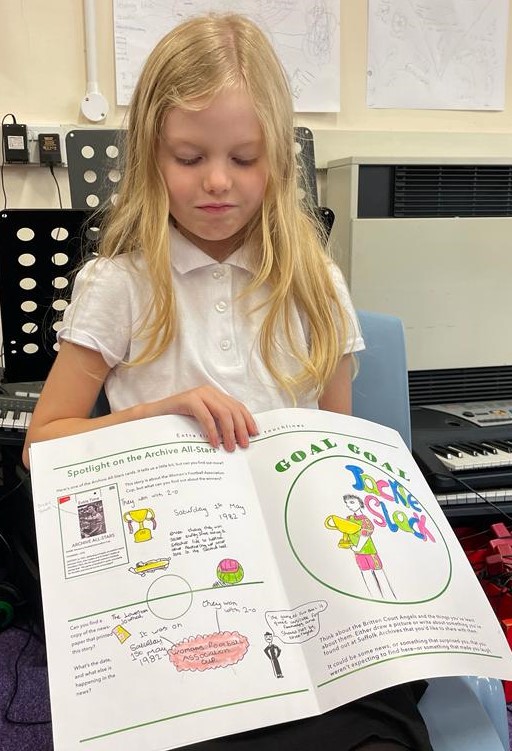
column 452, row 190
column 460, row 385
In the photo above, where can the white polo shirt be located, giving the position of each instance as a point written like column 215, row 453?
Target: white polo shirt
column 217, row 343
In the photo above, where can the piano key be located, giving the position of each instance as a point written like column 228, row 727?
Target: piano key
column 7, row 421
column 478, row 447
column 490, row 447
column 501, row 495
column 476, row 461
column 14, row 420
column 465, row 448
column 502, row 446
column 455, row 451
column 442, row 451
column 20, row 420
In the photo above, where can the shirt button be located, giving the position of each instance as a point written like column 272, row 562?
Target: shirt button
column 218, row 273
column 221, row 306
column 225, row 344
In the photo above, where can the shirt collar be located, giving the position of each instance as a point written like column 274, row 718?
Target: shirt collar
column 185, row 256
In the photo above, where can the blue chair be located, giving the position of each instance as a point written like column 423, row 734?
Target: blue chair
column 463, row 712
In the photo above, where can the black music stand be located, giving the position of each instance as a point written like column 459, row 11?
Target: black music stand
column 41, row 249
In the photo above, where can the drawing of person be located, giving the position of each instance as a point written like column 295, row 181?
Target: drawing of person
column 273, row 653
column 363, row 546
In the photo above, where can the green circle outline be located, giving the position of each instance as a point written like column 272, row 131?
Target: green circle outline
column 340, row 591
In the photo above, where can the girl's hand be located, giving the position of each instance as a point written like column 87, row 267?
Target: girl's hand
column 221, row 417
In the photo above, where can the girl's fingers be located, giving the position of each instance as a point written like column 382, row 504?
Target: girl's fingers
column 224, row 411
column 233, row 420
column 220, row 416
column 250, row 422
column 203, row 415
column 241, row 428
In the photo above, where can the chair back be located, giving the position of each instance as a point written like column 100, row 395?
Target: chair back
column 380, row 391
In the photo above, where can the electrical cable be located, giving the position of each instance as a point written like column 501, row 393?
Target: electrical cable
column 57, row 184
column 30, row 630
column 12, row 721
column 6, row 543
column 9, row 114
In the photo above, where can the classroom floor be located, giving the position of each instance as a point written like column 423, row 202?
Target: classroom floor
column 28, row 682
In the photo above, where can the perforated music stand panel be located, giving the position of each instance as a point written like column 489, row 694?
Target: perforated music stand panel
column 41, row 249
column 95, row 159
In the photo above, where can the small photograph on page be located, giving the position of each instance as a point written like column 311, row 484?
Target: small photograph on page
column 91, row 519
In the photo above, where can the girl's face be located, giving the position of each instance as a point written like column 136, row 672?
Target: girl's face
column 353, row 504
column 214, row 165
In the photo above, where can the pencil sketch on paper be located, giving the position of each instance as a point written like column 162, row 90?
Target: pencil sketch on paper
column 437, row 54
column 305, row 35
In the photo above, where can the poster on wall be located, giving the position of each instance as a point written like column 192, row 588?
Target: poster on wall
column 305, row 35
column 437, row 54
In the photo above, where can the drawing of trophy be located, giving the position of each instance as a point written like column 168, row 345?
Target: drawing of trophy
column 345, row 526
column 140, row 515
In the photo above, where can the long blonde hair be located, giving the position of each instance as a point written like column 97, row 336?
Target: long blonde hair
column 187, row 69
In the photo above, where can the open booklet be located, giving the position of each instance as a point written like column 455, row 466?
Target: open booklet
column 191, row 593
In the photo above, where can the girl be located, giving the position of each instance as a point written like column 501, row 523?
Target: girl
column 212, row 296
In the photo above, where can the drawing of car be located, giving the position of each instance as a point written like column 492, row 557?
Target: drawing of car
column 144, row 567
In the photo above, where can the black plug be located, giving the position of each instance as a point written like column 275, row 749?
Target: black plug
column 49, row 148
column 15, row 144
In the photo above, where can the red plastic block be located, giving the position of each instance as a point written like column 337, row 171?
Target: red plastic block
column 503, row 546
column 495, row 565
column 500, row 530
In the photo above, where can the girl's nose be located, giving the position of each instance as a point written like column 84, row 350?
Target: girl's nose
column 217, row 179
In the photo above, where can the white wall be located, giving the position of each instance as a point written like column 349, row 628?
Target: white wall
column 43, row 77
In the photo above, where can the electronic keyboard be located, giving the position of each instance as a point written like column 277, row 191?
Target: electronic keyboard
column 465, row 452
column 15, row 414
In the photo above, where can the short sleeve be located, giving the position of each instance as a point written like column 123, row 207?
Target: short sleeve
column 100, row 316
column 354, row 337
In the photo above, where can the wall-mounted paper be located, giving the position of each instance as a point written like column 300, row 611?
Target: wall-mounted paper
column 306, row 36
column 437, row 54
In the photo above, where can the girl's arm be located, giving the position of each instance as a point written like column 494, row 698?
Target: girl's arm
column 337, row 395
column 74, row 383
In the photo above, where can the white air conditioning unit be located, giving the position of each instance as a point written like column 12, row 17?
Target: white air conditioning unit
column 430, row 241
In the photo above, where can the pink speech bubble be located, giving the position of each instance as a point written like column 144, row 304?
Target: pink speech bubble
column 209, row 651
